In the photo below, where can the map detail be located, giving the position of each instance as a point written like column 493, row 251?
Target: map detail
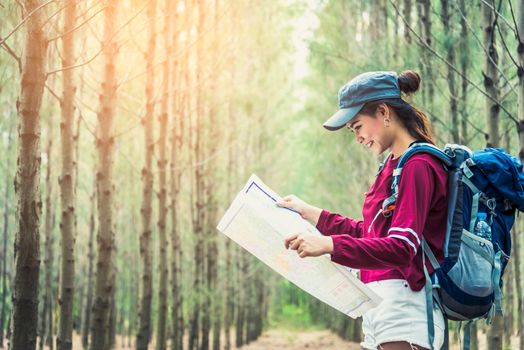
column 258, row 225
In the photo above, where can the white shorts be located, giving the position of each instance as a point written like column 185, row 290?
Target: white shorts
column 401, row 316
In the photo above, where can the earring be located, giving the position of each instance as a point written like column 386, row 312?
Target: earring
column 386, row 123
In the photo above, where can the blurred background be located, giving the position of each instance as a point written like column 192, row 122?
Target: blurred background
column 128, row 126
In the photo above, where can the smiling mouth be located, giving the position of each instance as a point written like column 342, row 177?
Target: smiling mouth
column 369, row 144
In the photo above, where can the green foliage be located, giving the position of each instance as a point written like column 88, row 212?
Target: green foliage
column 269, row 116
column 290, row 309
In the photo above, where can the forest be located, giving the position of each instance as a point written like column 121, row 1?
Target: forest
column 128, row 127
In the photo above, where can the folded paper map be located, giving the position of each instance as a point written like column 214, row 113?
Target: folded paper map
column 258, row 225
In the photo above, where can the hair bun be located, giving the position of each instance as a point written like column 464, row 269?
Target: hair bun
column 409, row 81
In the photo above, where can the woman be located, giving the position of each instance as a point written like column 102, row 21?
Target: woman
column 386, row 246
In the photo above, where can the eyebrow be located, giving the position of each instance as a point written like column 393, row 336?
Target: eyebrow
column 352, row 123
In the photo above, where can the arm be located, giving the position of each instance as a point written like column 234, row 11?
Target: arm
column 402, row 242
column 327, row 223
column 335, row 224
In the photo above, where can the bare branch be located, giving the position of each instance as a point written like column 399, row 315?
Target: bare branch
column 102, row 48
column 88, row 127
column 22, row 7
column 506, row 48
column 432, row 50
column 497, row 12
column 83, row 14
column 13, row 54
column 486, row 50
column 132, row 18
column 54, row 94
column 53, row 15
column 25, row 20
column 514, row 22
column 180, row 51
column 94, row 33
column 78, row 26
column 77, row 65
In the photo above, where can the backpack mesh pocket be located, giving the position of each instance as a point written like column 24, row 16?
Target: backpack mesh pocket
column 472, row 272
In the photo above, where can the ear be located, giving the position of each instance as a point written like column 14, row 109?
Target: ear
column 383, row 111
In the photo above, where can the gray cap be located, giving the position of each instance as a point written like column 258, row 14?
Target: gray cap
column 366, row 87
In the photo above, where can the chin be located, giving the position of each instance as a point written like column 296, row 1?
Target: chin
column 377, row 151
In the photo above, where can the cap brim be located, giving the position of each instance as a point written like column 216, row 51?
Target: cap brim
column 342, row 117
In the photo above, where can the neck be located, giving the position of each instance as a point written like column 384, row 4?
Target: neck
column 401, row 144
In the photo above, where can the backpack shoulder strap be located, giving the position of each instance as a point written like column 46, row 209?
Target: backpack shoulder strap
column 419, row 147
column 383, row 163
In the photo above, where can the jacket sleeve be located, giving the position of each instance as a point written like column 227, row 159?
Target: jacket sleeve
column 401, row 243
column 335, row 224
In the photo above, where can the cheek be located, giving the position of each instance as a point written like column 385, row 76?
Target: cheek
column 377, row 130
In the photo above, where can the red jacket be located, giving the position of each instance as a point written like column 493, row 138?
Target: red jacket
column 389, row 247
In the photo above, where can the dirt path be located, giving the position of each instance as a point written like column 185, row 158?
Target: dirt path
column 282, row 339
column 275, row 339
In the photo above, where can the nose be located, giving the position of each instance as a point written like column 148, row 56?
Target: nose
column 359, row 139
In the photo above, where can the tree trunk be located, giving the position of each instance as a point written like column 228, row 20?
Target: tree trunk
column 464, row 64
column 509, row 304
column 179, row 100
column 407, row 16
column 144, row 330
column 492, row 135
column 27, row 184
column 491, row 74
column 212, row 318
column 104, row 289
column 67, row 182
column 520, row 88
column 428, row 91
column 515, row 240
column 228, row 313
column 242, row 293
column 198, row 186
column 111, row 332
column 450, row 56
column 7, row 198
column 231, row 172
column 90, row 258
column 162, row 195
column 215, row 138
column 396, row 27
column 48, row 260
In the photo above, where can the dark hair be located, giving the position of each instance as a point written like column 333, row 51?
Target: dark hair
column 412, row 118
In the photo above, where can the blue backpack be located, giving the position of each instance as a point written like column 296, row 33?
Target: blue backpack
column 485, row 186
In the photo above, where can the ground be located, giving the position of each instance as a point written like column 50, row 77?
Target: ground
column 273, row 339
column 277, row 339
column 294, row 340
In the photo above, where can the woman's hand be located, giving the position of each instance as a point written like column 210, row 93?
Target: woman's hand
column 305, row 210
column 308, row 245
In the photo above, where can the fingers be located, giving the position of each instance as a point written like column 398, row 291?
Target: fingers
column 289, row 240
column 296, row 243
column 287, row 201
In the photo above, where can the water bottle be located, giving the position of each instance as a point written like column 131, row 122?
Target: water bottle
column 482, row 228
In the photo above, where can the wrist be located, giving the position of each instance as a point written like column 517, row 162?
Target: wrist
column 313, row 214
column 329, row 245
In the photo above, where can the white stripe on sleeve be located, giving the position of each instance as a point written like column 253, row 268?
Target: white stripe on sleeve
column 404, row 238
column 400, row 229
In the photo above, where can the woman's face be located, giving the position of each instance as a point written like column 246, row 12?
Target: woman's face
column 371, row 132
